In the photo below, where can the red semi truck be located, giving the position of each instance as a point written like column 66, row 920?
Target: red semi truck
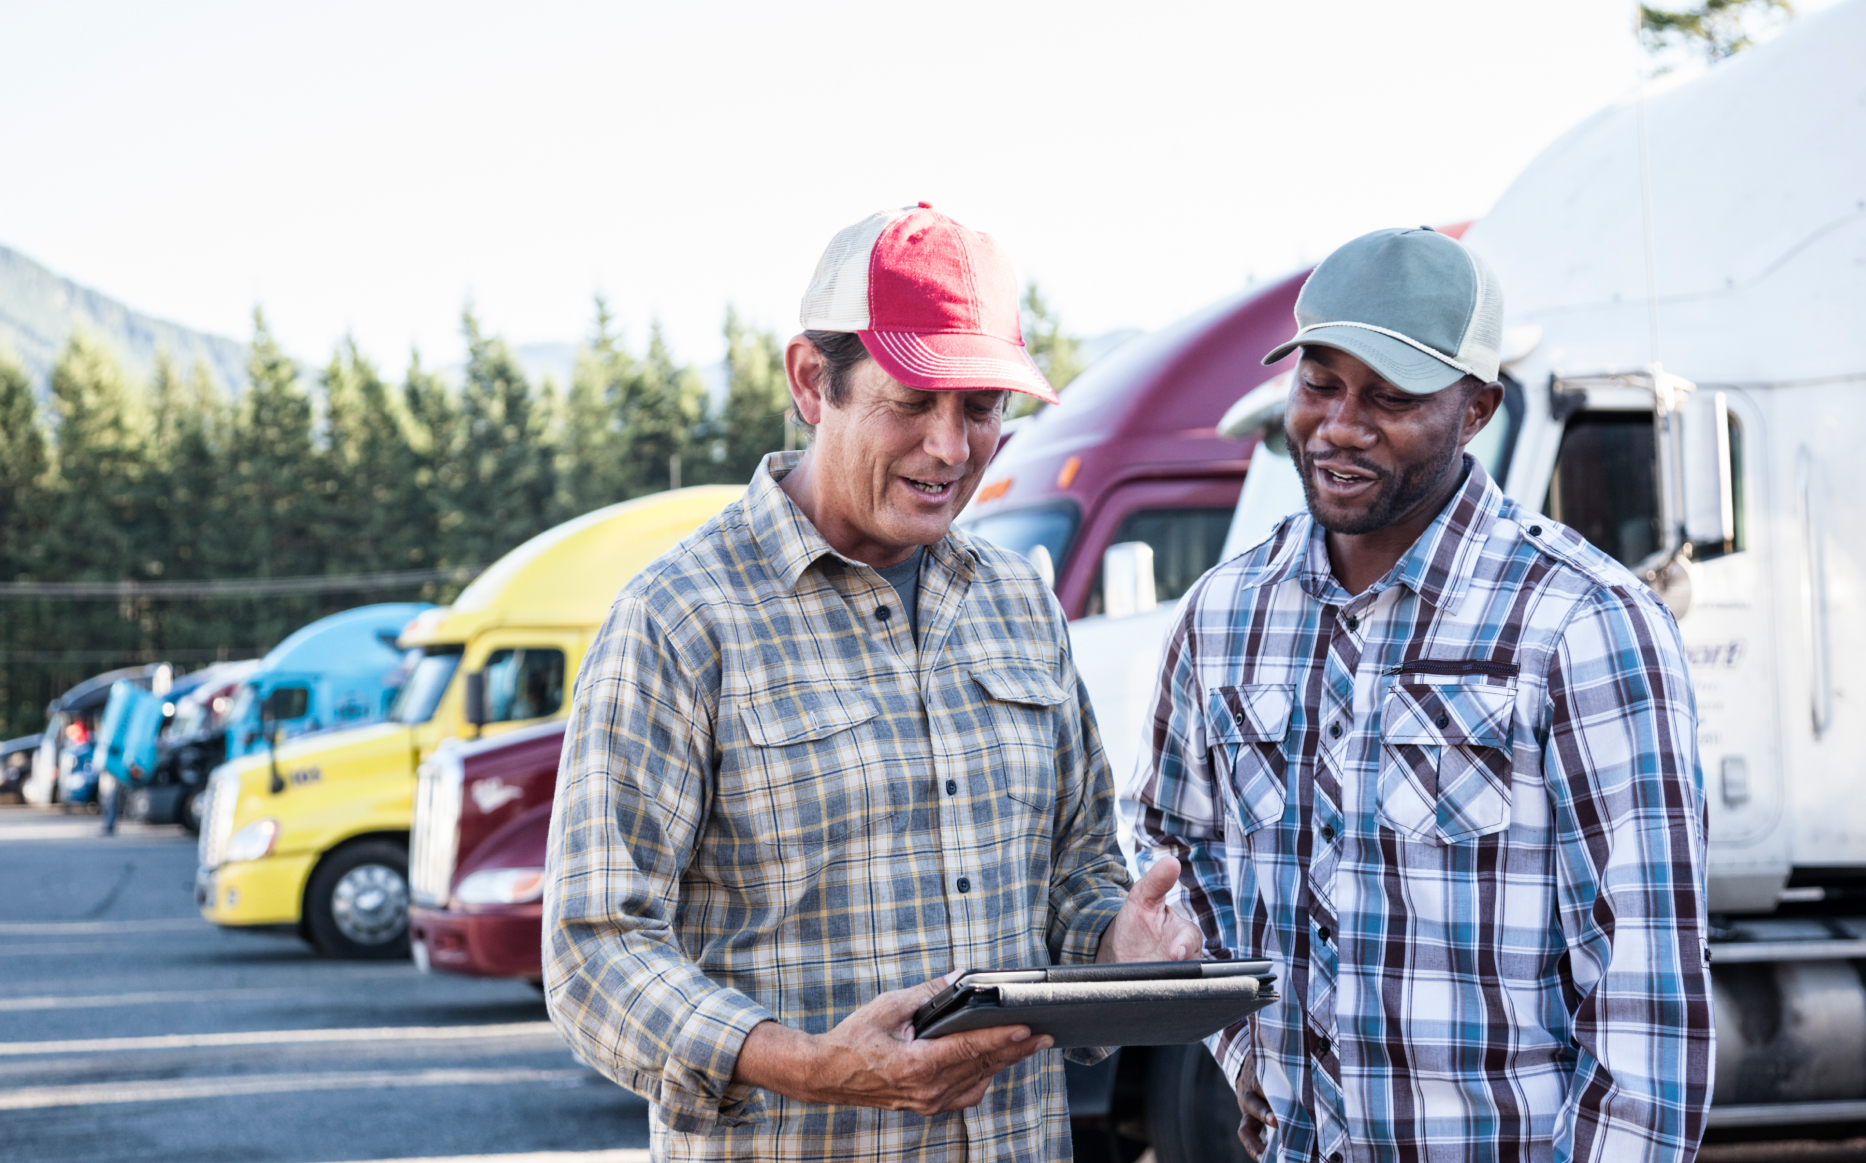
column 1133, row 455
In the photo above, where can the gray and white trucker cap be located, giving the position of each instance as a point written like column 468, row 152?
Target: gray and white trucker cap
column 1414, row 305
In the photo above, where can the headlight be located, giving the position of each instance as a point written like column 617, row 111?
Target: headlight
column 501, row 886
column 253, row 841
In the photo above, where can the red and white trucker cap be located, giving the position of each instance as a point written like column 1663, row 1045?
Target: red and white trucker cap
column 934, row 302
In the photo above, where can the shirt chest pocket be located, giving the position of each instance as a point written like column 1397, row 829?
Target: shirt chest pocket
column 1246, row 727
column 1022, row 703
column 1445, row 760
column 809, row 775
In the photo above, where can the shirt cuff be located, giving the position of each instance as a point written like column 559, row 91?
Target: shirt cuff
column 697, row 1092
column 1082, row 937
column 1230, row 1047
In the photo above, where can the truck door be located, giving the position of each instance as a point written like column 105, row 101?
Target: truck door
column 1609, row 482
column 1184, row 521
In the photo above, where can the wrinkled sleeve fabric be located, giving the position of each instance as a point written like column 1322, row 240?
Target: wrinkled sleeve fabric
column 1174, row 806
column 1088, row 880
column 1621, row 767
column 632, row 792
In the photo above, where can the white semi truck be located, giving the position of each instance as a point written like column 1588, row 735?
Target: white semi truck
column 1685, row 285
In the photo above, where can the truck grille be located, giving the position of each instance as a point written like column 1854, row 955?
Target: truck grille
column 436, row 830
column 223, row 796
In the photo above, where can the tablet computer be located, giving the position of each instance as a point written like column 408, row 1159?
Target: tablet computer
column 1159, row 1003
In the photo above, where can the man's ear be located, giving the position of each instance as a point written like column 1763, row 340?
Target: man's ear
column 804, row 368
column 1478, row 410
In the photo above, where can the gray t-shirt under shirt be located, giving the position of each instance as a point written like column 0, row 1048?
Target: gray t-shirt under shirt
column 905, row 578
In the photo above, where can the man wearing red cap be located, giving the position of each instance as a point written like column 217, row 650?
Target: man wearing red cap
column 827, row 751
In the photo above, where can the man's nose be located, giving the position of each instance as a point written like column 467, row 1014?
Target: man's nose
column 946, row 439
column 1344, row 425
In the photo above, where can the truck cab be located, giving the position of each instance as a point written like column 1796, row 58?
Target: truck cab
column 314, row 832
column 339, row 671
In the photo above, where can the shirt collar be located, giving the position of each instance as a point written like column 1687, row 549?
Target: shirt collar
column 1437, row 566
column 790, row 544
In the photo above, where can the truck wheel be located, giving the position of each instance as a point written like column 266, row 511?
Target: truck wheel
column 1192, row 1112
column 357, row 902
column 188, row 815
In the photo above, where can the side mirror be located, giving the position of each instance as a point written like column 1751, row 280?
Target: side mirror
column 475, row 693
column 1127, row 579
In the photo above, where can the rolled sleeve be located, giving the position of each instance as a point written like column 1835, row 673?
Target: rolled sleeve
column 1089, row 881
column 631, row 795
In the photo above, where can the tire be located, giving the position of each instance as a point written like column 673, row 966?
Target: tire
column 188, row 812
column 356, row 905
column 1192, row 1112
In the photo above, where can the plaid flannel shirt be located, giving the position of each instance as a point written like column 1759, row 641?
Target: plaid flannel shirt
column 773, row 805
column 1462, row 813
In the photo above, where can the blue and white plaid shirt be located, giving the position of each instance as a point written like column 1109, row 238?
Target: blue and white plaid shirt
column 1462, row 814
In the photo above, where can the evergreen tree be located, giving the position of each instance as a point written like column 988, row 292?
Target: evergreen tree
column 661, row 406
column 366, row 470
column 757, row 397
column 101, row 457
column 22, row 469
column 1053, row 350
column 590, row 473
column 275, row 505
column 23, row 473
column 434, row 446
column 507, row 481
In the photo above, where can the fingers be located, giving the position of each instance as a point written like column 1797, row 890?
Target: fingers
column 891, row 1009
column 1183, row 938
column 1250, row 1133
column 1158, row 881
column 995, row 1046
column 1258, row 1108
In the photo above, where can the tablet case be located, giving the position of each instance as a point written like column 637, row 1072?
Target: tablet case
column 1138, row 1011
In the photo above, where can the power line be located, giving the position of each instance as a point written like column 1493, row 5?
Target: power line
column 245, row 587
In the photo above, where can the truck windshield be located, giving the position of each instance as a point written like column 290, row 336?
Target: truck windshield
column 1022, row 530
column 425, row 685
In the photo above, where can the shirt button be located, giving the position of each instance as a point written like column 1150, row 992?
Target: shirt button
column 1334, row 1157
column 883, row 613
column 1328, row 833
column 964, row 885
column 1354, row 623
column 1535, row 531
column 952, row 787
column 1443, row 721
column 1321, row 1046
column 1322, row 932
column 1334, row 730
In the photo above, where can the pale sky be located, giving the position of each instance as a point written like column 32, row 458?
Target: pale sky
column 370, row 167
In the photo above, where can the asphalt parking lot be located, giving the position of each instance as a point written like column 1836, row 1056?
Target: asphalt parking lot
column 132, row 1029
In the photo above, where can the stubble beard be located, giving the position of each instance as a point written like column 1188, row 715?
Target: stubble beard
column 1397, row 495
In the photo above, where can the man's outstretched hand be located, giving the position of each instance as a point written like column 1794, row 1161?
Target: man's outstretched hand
column 1145, row 929
column 873, row 1059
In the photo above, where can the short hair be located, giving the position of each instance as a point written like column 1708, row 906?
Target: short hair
column 842, row 352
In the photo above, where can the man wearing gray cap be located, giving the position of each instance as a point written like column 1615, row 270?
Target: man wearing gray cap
column 1435, row 756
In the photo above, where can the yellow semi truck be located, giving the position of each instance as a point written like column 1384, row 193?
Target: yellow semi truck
column 315, row 833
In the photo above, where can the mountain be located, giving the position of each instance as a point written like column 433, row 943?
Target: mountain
column 39, row 310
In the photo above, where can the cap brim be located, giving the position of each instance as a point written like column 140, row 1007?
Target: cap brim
column 1400, row 364
column 952, row 362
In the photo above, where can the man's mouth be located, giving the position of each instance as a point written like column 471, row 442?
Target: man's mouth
column 931, row 489
column 1342, row 481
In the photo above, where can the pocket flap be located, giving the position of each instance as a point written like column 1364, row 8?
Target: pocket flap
column 1020, row 685
column 803, row 714
column 1437, row 716
column 1253, row 713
